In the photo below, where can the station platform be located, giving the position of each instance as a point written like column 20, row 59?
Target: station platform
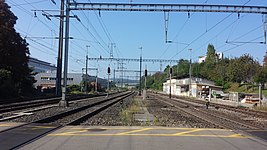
column 144, row 138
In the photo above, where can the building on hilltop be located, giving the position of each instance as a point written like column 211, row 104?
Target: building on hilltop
column 202, row 59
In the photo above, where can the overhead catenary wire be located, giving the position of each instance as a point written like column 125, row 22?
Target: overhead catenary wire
column 179, row 31
column 224, row 29
column 29, row 13
column 206, row 32
column 106, row 31
column 21, row 4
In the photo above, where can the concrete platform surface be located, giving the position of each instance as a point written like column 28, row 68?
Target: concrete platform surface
column 145, row 138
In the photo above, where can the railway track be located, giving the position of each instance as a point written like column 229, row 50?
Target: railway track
column 212, row 116
column 255, row 113
column 25, row 133
column 37, row 103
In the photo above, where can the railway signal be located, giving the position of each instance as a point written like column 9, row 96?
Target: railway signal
column 170, row 94
column 108, row 80
column 144, row 92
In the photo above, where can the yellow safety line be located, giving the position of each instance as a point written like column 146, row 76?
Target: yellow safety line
column 41, row 127
column 134, row 131
column 165, row 135
column 190, row 131
column 6, row 125
column 208, row 129
column 73, row 132
column 236, row 135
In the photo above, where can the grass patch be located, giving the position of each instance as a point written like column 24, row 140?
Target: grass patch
column 261, row 108
column 126, row 114
column 264, row 92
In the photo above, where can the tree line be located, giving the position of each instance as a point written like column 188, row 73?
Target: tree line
column 223, row 71
column 16, row 79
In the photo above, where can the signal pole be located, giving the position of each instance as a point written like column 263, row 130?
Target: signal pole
column 108, row 80
column 170, row 94
column 144, row 93
column 140, row 80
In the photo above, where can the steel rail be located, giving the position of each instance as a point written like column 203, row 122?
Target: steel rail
column 208, row 116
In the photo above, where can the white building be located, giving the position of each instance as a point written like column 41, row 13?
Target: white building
column 202, row 59
column 199, row 87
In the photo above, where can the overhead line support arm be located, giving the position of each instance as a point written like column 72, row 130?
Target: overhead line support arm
column 169, row 7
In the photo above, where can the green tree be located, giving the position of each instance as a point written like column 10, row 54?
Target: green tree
column 183, row 68
column 261, row 75
column 211, row 55
column 14, row 57
column 242, row 69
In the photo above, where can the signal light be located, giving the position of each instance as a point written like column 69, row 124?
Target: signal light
column 170, row 70
column 108, row 70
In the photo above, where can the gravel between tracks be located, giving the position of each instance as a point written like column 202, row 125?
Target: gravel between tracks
column 110, row 116
column 165, row 116
column 55, row 110
column 172, row 117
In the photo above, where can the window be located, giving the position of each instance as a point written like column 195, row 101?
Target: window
column 44, row 78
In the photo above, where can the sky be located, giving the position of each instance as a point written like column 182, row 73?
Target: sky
column 132, row 30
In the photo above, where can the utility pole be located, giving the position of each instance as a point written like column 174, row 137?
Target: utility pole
column 114, row 76
column 177, row 70
column 63, row 101
column 60, row 50
column 140, row 80
column 86, row 68
column 190, row 74
column 260, row 94
column 96, row 80
column 170, row 94
column 112, row 45
column 122, row 75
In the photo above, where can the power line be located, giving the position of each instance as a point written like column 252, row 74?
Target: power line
column 28, row 3
column 30, row 14
column 207, row 31
column 218, row 34
column 243, row 43
column 179, row 31
column 245, row 34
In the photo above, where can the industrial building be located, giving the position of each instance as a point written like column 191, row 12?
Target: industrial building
column 41, row 66
column 199, row 87
column 48, row 80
